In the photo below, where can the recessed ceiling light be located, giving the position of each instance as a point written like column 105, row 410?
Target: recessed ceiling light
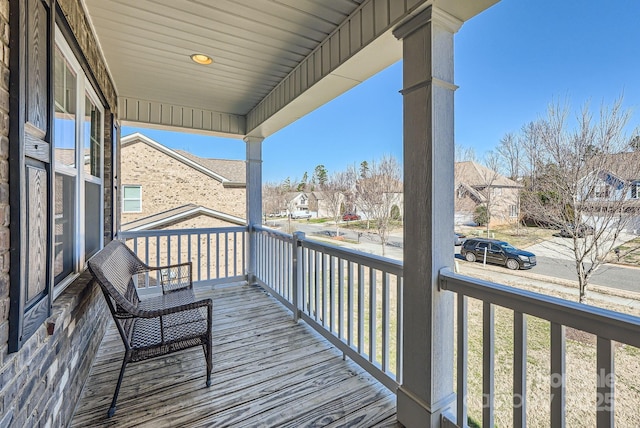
column 201, row 59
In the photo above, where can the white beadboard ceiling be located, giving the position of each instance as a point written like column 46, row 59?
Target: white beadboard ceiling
column 255, row 45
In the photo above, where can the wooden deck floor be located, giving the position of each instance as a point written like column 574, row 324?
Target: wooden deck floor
column 267, row 372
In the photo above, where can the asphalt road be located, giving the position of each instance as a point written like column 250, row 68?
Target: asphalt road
column 557, row 266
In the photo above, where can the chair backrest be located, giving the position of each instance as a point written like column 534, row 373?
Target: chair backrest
column 114, row 267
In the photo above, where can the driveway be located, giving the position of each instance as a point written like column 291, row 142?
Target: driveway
column 562, row 248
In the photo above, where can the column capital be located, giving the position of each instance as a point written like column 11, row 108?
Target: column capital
column 430, row 14
column 249, row 139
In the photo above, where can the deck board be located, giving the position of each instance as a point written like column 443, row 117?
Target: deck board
column 267, row 371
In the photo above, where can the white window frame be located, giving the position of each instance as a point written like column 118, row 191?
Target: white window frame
column 124, row 186
column 83, row 89
column 513, row 211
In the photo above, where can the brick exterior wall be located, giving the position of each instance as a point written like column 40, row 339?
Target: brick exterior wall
column 41, row 384
column 7, row 375
column 168, row 183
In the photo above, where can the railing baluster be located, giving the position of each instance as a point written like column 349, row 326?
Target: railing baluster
column 605, row 399
column 373, row 318
column 226, row 254
column 360, row 308
column 399, row 329
column 199, row 257
column 317, row 286
column 462, row 357
column 488, row 364
column 350, row 309
column 385, row 322
column 209, row 255
column 189, row 247
column 340, row 267
column 168, row 250
column 179, row 249
column 519, row 370
column 217, row 256
column 324, row 290
column 332, row 300
column 146, row 250
column 558, row 375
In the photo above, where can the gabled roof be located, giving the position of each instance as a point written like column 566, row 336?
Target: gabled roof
column 476, row 175
column 625, row 166
column 473, row 192
column 177, row 214
column 231, row 173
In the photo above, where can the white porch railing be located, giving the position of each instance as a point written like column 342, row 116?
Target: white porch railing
column 218, row 254
column 351, row 298
column 608, row 326
column 354, row 300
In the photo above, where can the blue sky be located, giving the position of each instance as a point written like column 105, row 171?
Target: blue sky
column 510, row 63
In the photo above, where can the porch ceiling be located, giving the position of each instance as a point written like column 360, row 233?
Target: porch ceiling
column 257, row 46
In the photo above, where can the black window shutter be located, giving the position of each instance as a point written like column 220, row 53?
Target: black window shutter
column 31, row 177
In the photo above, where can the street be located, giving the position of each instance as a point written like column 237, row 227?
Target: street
column 549, row 264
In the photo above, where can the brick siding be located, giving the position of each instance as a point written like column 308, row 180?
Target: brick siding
column 168, row 183
column 41, row 384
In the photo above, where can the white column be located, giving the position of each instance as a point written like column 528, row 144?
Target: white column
column 254, row 199
column 427, row 385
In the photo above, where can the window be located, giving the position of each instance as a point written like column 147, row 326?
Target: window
column 602, row 191
column 78, row 163
column 635, row 190
column 513, row 211
column 131, row 199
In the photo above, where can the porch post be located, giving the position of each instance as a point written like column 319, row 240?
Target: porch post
column 427, row 385
column 254, row 199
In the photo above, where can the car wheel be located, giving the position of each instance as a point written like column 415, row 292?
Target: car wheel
column 513, row 264
column 470, row 257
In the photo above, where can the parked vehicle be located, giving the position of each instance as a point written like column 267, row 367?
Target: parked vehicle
column 458, row 239
column 301, row 214
column 570, row 229
column 497, row 252
column 350, row 216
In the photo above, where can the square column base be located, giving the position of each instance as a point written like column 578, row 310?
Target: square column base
column 412, row 412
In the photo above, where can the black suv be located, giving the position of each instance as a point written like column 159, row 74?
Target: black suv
column 498, row 252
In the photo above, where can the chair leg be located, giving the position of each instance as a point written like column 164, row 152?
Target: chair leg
column 207, row 355
column 112, row 409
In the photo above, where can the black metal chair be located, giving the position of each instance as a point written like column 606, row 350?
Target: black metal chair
column 158, row 325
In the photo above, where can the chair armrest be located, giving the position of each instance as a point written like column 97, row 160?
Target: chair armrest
column 165, row 305
column 175, row 277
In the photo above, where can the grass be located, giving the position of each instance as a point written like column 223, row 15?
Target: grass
column 629, row 253
column 521, row 237
column 581, row 376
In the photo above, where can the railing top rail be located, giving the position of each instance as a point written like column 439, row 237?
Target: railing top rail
column 272, row 232
column 601, row 322
column 372, row 260
column 173, row 232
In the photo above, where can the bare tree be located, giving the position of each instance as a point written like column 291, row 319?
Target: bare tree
column 511, row 151
column 489, row 176
column 273, row 198
column 585, row 185
column 335, row 191
column 378, row 190
column 463, row 153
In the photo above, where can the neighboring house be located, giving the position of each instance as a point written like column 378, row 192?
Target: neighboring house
column 318, row 203
column 166, row 188
column 619, row 181
column 477, row 185
column 297, row 201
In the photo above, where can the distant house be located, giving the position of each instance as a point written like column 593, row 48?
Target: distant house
column 476, row 185
column 618, row 180
column 166, row 188
column 297, row 201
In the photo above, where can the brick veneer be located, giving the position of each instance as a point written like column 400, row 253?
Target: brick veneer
column 40, row 384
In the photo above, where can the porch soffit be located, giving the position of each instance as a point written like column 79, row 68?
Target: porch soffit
column 274, row 60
